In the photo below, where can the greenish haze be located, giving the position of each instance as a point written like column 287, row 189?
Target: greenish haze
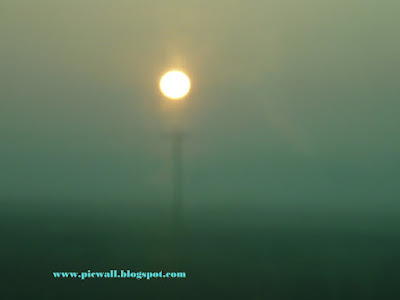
column 295, row 104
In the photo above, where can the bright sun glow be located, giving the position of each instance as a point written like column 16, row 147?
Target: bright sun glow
column 175, row 84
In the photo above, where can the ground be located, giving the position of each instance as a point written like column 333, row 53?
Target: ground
column 269, row 262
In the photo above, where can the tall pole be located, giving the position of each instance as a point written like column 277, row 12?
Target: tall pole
column 176, row 85
column 177, row 177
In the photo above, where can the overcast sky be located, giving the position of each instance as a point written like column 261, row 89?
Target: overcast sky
column 293, row 103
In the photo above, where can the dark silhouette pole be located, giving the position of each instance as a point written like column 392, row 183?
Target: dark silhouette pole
column 176, row 85
column 177, row 177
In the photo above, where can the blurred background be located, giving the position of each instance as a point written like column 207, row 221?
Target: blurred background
column 291, row 160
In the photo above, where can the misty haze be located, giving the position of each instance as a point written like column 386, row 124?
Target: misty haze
column 284, row 185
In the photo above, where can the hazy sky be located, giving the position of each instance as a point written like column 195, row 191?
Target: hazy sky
column 294, row 103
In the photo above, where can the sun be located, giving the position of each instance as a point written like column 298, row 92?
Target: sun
column 175, row 85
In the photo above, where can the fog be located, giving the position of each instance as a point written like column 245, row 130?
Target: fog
column 292, row 118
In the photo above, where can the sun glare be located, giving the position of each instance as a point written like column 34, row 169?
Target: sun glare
column 175, row 85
